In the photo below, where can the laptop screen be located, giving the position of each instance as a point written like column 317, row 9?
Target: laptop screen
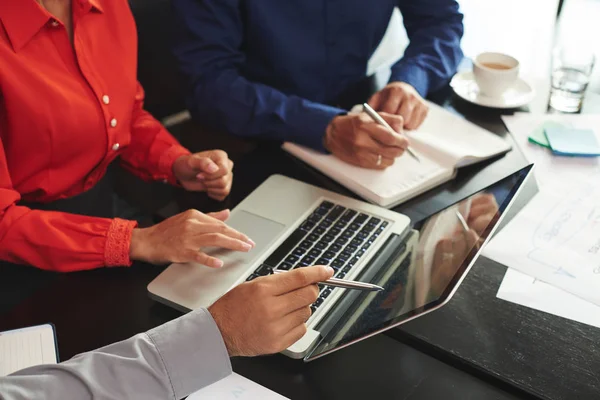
column 423, row 272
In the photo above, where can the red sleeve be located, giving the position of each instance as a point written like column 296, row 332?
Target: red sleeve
column 152, row 150
column 58, row 241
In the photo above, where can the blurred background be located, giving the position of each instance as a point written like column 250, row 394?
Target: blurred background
column 525, row 29
column 519, row 28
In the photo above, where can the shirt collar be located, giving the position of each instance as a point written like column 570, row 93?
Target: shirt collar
column 95, row 5
column 23, row 19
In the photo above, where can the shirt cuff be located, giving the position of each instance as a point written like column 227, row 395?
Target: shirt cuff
column 165, row 163
column 118, row 240
column 412, row 74
column 309, row 127
column 192, row 351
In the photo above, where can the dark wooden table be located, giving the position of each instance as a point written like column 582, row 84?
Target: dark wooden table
column 94, row 308
column 545, row 355
column 540, row 354
column 477, row 346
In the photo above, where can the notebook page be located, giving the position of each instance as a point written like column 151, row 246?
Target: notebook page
column 400, row 181
column 27, row 347
column 464, row 141
column 405, row 175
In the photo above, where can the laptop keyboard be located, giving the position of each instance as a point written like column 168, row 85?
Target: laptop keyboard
column 332, row 235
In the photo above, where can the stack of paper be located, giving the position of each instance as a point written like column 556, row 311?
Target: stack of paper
column 520, row 288
column 563, row 139
column 554, row 242
column 550, row 169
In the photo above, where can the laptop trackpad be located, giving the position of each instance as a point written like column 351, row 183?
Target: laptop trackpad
column 263, row 231
column 218, row 281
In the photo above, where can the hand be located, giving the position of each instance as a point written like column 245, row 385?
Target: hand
column 449, row 255
column 268, row 314
column 208, row 171
column 400, row 98
column 357, row 139
column 484, row 209
column 180, row 238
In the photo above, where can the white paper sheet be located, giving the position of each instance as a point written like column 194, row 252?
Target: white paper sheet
column 550, row 168
column 236, row 387
column 522, row 289
column 556, row 239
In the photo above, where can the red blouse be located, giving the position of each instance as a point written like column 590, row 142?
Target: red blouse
column 66, row 111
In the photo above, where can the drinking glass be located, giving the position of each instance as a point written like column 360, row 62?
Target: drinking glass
column 571, row 70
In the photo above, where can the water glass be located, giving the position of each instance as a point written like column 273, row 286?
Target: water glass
column 571, row 70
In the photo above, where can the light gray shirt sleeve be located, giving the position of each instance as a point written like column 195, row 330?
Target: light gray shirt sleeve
column 168, row 362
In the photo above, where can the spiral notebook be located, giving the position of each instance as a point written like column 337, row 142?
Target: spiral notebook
column 27, row 347
column 444, row 143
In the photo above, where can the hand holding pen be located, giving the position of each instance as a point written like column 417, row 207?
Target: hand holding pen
column 359, row 140
column 377, row 118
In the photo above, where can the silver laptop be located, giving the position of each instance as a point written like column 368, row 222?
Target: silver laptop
column 295, row 225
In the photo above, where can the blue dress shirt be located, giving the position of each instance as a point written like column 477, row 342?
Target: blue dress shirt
column 269, row 68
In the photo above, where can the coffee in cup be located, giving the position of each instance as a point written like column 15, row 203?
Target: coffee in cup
column 495, row 72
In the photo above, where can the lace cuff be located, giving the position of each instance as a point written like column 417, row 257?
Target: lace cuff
column 118, row 240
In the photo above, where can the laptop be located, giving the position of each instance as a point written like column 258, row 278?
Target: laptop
column 295, row 225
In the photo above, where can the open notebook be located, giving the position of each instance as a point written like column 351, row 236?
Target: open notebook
column 443, row 143
column 27, row 347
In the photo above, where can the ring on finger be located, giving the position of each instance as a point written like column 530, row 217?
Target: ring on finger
column 379, row 159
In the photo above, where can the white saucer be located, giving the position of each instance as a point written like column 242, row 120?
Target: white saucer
column 518, row 95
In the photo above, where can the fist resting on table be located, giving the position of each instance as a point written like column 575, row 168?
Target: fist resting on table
column 207, row 171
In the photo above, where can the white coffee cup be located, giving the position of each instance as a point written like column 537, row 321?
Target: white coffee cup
column 495, row 72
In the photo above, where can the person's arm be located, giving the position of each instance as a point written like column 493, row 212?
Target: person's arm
column 58, row 241
column 209, row 41
column 169, row 362
column 434, row 28
column 152, row 150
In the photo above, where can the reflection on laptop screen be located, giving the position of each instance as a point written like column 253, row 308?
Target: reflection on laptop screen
column 425, row 271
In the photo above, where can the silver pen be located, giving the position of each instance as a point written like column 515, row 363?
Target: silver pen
column 462, row 221
column 377, row 118
column 344, row 283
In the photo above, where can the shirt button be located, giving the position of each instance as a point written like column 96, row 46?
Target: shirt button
column 106, row 99
column 113, row 122
column 54, row 23
column 116, row 146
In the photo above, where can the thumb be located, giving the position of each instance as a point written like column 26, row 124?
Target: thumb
column 375, row 101
column 203, row 164
column 222, row 215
